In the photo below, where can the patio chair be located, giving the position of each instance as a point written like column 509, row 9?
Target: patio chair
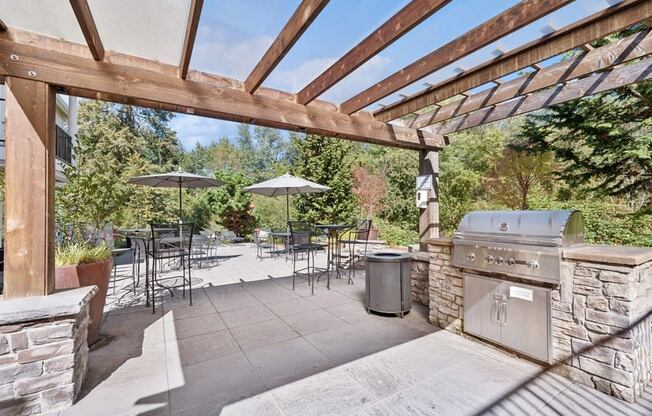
column 301, row 242
column 211, row 242
column 231, row 237
column 139, row 242
column 358, row 237
column 117, row 252
column 262, row 243
column 171, row 243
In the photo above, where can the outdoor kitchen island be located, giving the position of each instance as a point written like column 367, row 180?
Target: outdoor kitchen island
column 597, row 313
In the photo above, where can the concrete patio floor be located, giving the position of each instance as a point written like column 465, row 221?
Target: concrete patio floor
column 252, row 346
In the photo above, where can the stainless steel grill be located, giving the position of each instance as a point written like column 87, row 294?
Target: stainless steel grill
column 525, row 244
column 522, row 244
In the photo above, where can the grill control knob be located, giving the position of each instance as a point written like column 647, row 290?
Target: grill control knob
column 510, row 262
column 499, row 260
column 533, row 265
column 470, row 257
column 489, row 259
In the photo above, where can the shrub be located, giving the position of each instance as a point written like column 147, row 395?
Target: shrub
column 77, row 253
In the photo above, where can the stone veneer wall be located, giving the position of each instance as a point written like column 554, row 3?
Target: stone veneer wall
column 420, row 276
column 601, row 317
column 43, row 360
column 446, row 287
column 601, row 327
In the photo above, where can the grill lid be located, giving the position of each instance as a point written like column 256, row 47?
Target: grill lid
column 547, row 228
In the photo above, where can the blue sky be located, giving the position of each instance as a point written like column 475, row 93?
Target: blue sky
column 234, row 34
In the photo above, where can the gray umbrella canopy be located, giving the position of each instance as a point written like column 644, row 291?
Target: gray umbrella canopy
column 286, row 185
column 178, row 179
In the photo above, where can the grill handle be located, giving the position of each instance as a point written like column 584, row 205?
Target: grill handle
column 495, row 308
column 503, row 310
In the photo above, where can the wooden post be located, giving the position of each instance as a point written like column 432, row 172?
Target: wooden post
column 29, row 188
column 429, row 217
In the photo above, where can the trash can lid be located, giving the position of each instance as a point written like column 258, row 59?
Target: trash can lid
column 388, row 257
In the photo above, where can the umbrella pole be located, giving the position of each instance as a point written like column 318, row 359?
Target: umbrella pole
column 287, row 206
column 180, row 204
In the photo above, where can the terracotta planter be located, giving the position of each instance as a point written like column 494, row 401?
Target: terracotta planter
column 79, row 275
column 373, row 234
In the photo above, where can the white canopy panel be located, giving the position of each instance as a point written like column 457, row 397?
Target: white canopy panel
column 152, row 29
column 53, row 18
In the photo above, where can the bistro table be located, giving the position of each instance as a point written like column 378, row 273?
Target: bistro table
column 333, row 250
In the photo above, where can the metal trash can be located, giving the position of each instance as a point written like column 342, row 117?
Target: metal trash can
column 387, row 282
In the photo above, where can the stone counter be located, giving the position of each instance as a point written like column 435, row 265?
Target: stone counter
column 601, row 320
column 43, row 351
column 601, row 323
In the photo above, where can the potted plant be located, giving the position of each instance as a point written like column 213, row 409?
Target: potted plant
column 82, row 264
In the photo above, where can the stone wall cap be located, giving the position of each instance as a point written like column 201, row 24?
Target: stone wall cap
column 441, row 241
column 61, row 303
column 630, row 256
column 420, row 256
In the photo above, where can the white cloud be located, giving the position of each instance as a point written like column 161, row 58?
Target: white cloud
column 220, row 52
column 194, row 129
column 374, row 70
column 295, row 79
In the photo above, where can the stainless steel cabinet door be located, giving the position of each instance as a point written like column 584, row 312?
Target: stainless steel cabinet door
column 525, row 320
column 481, row 306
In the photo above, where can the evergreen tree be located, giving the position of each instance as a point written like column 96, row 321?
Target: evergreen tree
column 604, row 142
column 326, row 161
column 229, row 205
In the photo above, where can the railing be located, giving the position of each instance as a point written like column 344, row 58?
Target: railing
column 64, row 145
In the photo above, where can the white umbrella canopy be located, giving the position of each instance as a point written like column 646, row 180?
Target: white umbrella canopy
column 286, row 185
column 178, row 179
column 175, row 180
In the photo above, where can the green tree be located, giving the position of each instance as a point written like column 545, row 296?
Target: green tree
column 603, row 142
column 516, row 176
column 463, row 166
column 230, row 203
column 114, row 143
column 326, row 161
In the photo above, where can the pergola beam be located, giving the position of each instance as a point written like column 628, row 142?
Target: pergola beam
column 596, row 83
column 155, row 86
column 189, row 39
column 303, row 16
column 88, row 28
column 390, row 31
column 634, row 46
column 573, row 36
column 490, row 31
column 3, row 26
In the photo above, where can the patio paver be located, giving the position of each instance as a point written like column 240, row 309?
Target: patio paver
column 223, row 357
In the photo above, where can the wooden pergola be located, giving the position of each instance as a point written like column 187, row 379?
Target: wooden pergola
column 35, row 66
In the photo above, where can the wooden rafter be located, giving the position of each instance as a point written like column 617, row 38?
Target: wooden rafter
column 573, row 36
column 88, row 28
column 634, row 46
column 490, row 31
column 304, row 15
column 155, row 87
column 398, row 25
column 597, row 82
column 189, row 39
column 3, row 26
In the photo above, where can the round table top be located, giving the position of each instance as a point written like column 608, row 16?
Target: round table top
column 333, row 226
column 279, row 233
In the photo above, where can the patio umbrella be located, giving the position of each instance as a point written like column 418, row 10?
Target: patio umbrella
column 286, row 185
column 178, row 179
